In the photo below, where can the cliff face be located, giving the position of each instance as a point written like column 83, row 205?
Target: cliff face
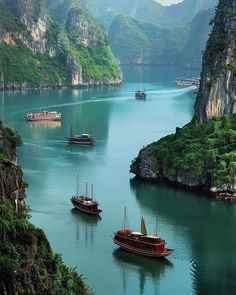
column 80, row 26
column 27, row 263
column 197, row 156
column 35, row 51
column 217, row 92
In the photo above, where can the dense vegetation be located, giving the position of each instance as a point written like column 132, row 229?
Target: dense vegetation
column 21, row 65
column 202, row 153
column 25, row 62
column 133, row 41
column 148, row 11
column 27, row 263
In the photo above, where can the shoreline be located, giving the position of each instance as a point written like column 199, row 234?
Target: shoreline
column 58, row 87
column 198, row 190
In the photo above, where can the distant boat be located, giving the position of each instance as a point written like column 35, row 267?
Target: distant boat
column 84, row 203
column 188, row 82
column 140, row 94
column 141, row 242
column 82, row 139
column 43, row 116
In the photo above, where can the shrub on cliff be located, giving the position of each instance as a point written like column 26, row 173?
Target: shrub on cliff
column 202, row 153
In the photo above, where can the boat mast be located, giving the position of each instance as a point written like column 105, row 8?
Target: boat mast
column 92, row 192
column 77, row 186
column 125, row 218
column 86, row 190
column 156, row 225
column 143, row 227
column 71, row 131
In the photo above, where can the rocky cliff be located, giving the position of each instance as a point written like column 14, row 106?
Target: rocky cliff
column 217, row 94
column 202, row 154
column 27, row 263
column 36, row 51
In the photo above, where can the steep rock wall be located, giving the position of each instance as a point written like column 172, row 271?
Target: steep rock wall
column 217, row 93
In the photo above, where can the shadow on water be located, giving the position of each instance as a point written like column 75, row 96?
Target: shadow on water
column 146, row 268
column 85, row 227
column 85, row 218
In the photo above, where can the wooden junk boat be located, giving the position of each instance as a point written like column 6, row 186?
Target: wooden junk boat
column 43, row 116
column 84, row 203
column 83, row 139
column 140, row 94
column 141, row 242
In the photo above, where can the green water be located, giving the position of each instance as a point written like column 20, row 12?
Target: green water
column 201, row 230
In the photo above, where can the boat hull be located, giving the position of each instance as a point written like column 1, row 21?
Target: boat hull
column 42, row 119
column 79, row 141
column 142, row 252
column 84, row 210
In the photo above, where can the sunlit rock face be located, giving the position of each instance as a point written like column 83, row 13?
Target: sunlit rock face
column 217, row 92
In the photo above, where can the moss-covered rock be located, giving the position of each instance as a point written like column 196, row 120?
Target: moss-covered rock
column 197, row 155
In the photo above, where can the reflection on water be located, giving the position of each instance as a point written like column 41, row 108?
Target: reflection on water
column 44, row 124
column 203, row 227
column 85, row 227
column 145, row 267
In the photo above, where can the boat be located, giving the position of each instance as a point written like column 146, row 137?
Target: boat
column 141, row 243
column 83, row 139
column 188, row 82
column 43, row 116
column 84, row 203
column 140, row 94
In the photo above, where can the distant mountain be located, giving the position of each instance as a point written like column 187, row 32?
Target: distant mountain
column 148, row 10
column 144, row 31
column 136, row 42
column 36, row 51
column 143, row 10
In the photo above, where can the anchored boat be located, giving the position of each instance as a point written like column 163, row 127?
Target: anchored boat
column 141, row 243
column 83, row 139
column 43, row 116
column 84, row 203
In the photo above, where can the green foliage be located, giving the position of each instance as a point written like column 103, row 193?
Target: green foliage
column 21, row 65
column 133, row 41
column 7, row 19
column 4, row 158
column 27, row 262
column 232, row 68
column 98, row 64
column 203, row 153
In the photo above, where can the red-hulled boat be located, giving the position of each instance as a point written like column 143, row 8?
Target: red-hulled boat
column 43, row 116
column 85, row 204
column 141, row 243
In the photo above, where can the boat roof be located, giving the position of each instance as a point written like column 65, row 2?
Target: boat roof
column 136, row 233
column 152, row 236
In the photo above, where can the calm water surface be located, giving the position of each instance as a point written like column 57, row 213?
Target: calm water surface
column 201, row 230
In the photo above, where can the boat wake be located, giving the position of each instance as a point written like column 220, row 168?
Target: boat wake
column 174, row 91
column 69, row 104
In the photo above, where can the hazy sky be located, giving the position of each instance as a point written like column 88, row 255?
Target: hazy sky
column 168, row 2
